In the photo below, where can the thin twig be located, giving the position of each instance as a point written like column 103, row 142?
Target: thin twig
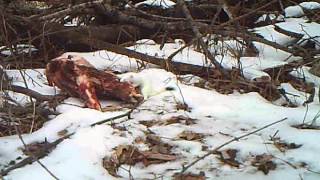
column 33, row 156
column 127, row 114
column 236, row 19
column 198, row 34
column 228, row 142
column 43, row 152
column 65, row 11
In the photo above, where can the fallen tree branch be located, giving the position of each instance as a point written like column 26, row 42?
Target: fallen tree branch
column 7, row 85
column 64, row 12
column 198, row 35
column 253, row 37
column 178, row 66
column 35, row 159
column 248, row 14
column 33, row 94
column 123, row 18
column 31, row 159
column 44, row 152
column 288, row 33
column 184, row 169
column 127, row 114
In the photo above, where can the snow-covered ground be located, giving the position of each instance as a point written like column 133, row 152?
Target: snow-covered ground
column 216, row 117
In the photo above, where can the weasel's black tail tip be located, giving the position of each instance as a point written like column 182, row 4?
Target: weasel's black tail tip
column 170, row 88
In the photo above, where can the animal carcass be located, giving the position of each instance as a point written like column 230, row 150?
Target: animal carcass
column 77, row 77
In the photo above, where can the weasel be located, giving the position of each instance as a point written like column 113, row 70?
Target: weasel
column 151, row 81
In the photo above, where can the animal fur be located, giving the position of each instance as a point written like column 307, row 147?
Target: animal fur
column 151, row 81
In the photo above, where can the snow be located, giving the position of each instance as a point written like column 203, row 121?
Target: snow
column 218, row 117
column 268, row 32
column 73, row 155
column 304, row 74
column 157, row 3
column 252, row 67
column 309, row 30
column 33, row 79
column 294, row 11
column 298, row 10
column 296, row 97
column 271, row 17
column 20, row 49
column 213, row 112
column 71, row 23
column 310, row 5
column 268, row 57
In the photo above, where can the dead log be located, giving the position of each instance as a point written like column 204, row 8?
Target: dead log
column 6, row 85
column 79, row 78
column 66, row 37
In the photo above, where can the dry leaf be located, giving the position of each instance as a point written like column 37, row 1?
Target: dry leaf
column 200, row 176
column 183, row 106
column 111, row 108
column 283, row 146
column 35, row 148
column 264, row 163
column 156, row 145
column 139, row 140
column 153, row 139
column 306, row 126
column 63, row 132
column 191, row 136
column 111, row 166
column 149, row 123
column 158, row 156
column 180, row 119
column 127, row 154
column 229, row 157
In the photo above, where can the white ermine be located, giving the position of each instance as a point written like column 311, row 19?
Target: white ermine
column 151, row 81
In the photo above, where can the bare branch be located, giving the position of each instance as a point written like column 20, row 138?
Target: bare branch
column 44, row 152
column 197, row 33
column 228, row 142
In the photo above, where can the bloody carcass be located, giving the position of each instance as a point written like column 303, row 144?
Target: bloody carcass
column 77, row 77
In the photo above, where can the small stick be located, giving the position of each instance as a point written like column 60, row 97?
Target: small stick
column 228, row 142
column 48, row 148
column 198, row 35
column 113, row 118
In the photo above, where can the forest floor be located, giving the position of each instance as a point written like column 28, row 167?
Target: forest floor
column 269, row 139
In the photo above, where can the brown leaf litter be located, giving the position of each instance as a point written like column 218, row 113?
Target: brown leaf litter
column 264, row 163
column 159, row 152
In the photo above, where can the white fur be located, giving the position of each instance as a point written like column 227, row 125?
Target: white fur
column 151, row 81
